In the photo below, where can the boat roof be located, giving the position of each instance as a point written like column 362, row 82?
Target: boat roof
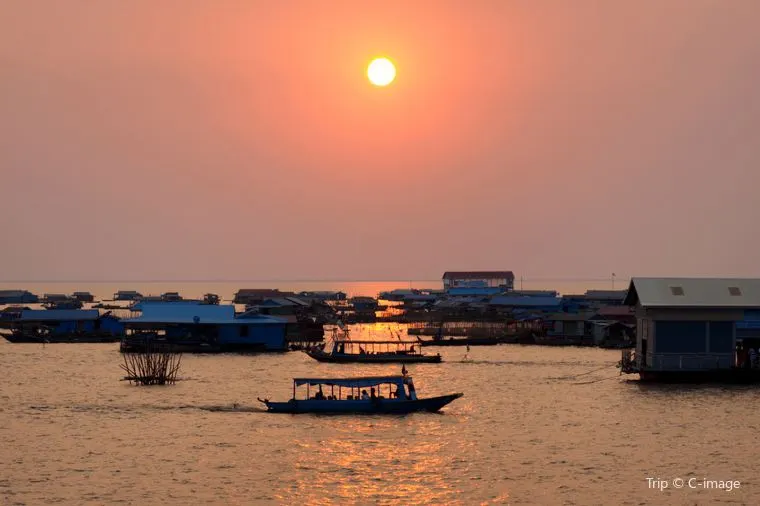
column 367, row 381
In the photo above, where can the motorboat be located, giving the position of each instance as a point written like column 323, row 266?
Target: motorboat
column 351, row 395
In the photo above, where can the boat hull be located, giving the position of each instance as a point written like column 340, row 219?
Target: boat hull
column 378, row 406
column 379, row 358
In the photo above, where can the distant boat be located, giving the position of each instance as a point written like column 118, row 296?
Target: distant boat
column 344, row 351
column 349, row 395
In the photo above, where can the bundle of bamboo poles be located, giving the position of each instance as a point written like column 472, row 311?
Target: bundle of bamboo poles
column 154, row 367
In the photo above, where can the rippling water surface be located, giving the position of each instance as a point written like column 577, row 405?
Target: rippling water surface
column 532, row 428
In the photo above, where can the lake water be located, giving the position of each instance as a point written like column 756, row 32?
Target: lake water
column 532, row 428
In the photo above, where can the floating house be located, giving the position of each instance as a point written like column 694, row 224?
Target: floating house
column 479, row 279
column 252, row 296
column 60, row 301
column 323, row 295
column 364, row 303
column 203, row 328
column 686, row 328
column 65, row 325
column 592, row 299
column 127, row 295
column 18, row 297
column 475, row 291
column 83, row 296
column 567, row 325
column 543, row 304
column 534, row 293
column 606, row 297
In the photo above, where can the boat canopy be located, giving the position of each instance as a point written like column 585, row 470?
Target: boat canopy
column 369, row 381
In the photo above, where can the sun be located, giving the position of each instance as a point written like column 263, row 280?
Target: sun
column 381, row 72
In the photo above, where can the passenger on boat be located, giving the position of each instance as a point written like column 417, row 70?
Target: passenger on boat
column 752, row 358
column 361, row 351
column 399, row 393
column 373, row 396
column 365, row 396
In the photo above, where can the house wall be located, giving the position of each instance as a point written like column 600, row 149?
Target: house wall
column 687, row 339
column 272, row 336
column 110, row 325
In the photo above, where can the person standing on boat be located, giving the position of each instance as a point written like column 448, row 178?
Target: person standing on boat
column 365, row 397
column 752, row 358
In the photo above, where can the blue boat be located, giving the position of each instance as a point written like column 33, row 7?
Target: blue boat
column 350, row 395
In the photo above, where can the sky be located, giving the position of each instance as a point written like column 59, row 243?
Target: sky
column 200, row 140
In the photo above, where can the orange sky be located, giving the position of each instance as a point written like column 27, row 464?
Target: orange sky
column 241, row 139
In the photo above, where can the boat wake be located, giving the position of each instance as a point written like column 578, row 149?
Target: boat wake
column 227, row 408
column 234, row 408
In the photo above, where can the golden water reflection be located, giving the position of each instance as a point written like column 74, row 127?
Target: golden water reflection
column 400, row 460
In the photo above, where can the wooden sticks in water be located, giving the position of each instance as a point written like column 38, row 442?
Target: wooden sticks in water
column 154, row 367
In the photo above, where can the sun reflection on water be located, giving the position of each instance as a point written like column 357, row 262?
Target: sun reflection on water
column 379, row 459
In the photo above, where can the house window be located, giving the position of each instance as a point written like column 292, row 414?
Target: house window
column 244, row 331
column 735, row 291
column 676, row 290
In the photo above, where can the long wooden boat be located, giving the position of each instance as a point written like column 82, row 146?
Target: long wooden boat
column 373, row 352
column 349, row 395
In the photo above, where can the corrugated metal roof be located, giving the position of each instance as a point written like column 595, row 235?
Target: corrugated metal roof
column 694, row 292
column 478, row 275
column 59, row 314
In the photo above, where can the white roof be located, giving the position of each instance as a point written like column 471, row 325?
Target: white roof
column 694, row 292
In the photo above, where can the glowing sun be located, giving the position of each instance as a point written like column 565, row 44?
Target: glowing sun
column 381, row 72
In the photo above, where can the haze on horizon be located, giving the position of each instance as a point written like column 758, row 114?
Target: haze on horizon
column 241, row 139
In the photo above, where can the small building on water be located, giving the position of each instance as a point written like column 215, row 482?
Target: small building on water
column 64, row 325
column 687, row 327
column 203, row 327
column 18, row 297
column 479, row 279
column 127, row 295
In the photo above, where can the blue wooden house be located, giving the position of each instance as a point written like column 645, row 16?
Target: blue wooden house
column 65, row 325
column 205, row 327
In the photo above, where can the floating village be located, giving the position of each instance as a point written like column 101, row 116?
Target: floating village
column 668, row 329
